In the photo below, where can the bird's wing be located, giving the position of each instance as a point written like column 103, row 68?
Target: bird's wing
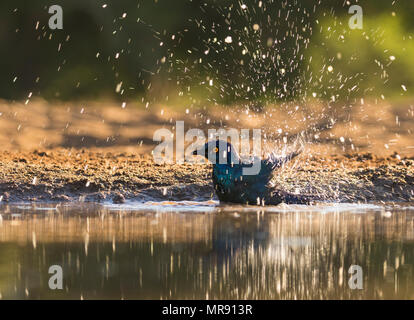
column 256, row 171
column 267, row 167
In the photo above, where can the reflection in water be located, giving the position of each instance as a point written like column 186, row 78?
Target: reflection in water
column 223, row 252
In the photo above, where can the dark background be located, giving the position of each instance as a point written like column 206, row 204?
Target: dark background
column 285, row 59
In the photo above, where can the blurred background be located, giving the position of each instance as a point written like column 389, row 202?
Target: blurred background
column 227, row 51
column 269, row 57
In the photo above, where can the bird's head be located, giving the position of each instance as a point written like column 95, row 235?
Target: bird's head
column 218, row 152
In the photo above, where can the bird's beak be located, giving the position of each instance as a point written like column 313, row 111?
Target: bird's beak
column 199, row 151
column 196, row 152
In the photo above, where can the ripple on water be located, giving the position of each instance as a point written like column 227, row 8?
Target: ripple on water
column 213, row 205
column 166, row 206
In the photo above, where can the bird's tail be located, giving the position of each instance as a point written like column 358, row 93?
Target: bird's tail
column 278, row 161
column 275, row 161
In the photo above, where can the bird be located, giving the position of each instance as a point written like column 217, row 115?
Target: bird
column 233, row 183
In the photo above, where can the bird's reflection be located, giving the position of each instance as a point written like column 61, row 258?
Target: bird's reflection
column 247, row 254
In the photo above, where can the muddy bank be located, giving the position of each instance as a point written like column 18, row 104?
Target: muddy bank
column 64, row 175
column 99, row 151
column 73, row 175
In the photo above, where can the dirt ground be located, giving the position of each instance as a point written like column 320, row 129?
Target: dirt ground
column 102, row 152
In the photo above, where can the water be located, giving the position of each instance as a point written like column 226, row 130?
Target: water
column 180, row 250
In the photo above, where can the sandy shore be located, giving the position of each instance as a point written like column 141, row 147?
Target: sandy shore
column 64, row 175
column 102, row 152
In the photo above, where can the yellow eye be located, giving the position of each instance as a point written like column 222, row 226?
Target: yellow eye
column 216, row 149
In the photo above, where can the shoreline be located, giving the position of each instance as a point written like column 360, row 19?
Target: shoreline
column 61, row 175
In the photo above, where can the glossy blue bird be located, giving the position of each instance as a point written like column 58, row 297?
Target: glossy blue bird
column 236, row 181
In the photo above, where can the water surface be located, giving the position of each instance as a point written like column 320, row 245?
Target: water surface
column 180, row 250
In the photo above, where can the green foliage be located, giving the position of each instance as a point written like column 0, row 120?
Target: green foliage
column 373, row 61
column 157, row 50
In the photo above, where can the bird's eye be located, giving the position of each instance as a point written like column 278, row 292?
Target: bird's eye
column 216, row 149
